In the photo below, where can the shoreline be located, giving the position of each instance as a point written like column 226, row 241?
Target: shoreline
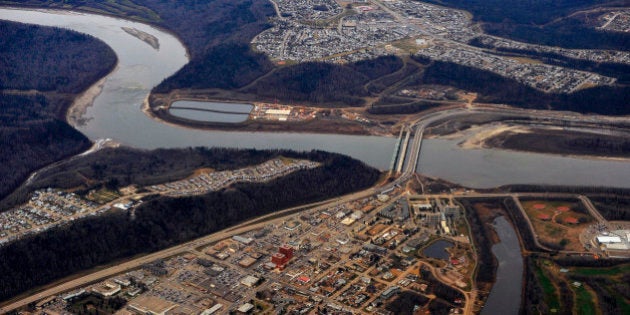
column 18, row 6
column 478, row 137
column 75, row 114
column 311, row 126
column 342, row 126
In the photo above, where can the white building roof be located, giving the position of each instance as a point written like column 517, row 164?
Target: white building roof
column 609, row 239
column 278, row 112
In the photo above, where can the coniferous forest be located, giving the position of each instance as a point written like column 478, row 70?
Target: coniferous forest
column 41, row 71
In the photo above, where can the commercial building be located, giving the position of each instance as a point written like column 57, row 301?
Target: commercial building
column 279, row 259
column 245, row 308
column 212, row 310
column 244, row 240
column 107, row 289
column 287, row 251
column 249, row 281
column 151, row 305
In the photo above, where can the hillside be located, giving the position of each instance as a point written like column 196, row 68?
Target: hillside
column 42, row 71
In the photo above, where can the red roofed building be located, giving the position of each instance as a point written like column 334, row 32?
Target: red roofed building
column 287, row 251
column 304, row 279
column 571, row 220
column 279, row 259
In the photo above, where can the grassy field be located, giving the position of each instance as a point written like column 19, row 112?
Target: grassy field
column 552, row 222
column 584, row 304
column 103, row 196
column 614, row 271
column 549, row 290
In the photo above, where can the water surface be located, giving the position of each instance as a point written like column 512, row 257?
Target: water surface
column 438, row 249
column 206, row 116
column 215, row 106
column 117, row 114
column 505, row 296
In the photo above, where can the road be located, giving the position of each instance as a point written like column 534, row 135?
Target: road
column 409, row 169
column 99, row 144
column 256, row 223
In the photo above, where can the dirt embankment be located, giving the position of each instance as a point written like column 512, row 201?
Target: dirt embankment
column 558, row 141
column 534, row 136
column 157, row 106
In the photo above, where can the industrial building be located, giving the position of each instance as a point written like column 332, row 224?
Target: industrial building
column 618, row 240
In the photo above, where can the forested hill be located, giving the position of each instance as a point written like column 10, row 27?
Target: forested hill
column 125, row 166
column 545, row 22
column 41, row 70
column 163, row 222
column 51, row 59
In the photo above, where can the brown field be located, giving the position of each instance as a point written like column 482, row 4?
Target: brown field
column 526, row 60
column 103, row 196
column 556, row 230
column 200, row 171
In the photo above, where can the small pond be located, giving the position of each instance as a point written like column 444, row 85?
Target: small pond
column 230, row 108
column 438, row 249
column 207, row 116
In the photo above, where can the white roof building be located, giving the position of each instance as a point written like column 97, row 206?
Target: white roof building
column 608, row 239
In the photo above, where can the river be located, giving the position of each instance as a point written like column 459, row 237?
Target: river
column 505, row 296
column 116, row 113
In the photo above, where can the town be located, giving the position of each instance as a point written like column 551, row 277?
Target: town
column 52, row 207
column 353, row 257
column 616, row 21
column 365, row 253
column 326, row 31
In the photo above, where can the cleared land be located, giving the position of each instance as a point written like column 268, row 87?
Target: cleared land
column 558, row 223
column 563, row 142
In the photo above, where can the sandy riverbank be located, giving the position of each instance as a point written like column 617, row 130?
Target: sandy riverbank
column 75, row 116
column 548, row 140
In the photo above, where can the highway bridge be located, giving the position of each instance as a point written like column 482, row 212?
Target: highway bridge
column 410, row 150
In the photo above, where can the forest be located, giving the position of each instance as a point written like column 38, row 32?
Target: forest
column 541, row 21
column 164, row 221
column 546, row 290
column 33, row 132
column 563, row 142
column 323, row 83
column 487, row 263
column 50, row 59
